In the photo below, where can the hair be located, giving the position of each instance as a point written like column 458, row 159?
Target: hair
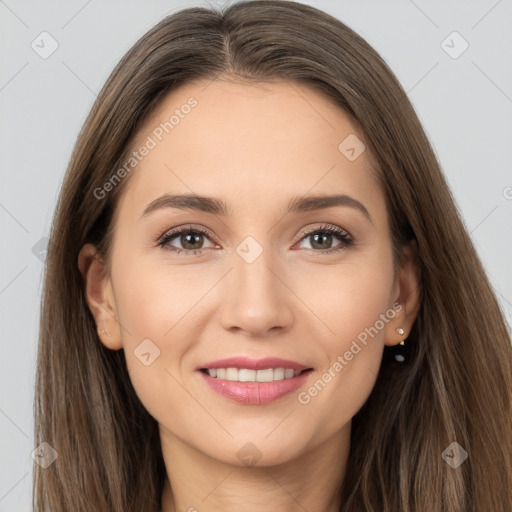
column 457, row 383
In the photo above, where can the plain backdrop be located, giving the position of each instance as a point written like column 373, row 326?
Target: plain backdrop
column 463, row 97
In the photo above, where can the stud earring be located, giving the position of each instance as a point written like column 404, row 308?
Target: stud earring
column 104, row 331
column 400, row 355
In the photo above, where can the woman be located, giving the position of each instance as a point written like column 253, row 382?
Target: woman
column 259, row 292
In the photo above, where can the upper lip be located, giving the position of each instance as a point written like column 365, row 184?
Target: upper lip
column 253, row 364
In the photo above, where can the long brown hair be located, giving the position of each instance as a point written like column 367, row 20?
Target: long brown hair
column 457, row 385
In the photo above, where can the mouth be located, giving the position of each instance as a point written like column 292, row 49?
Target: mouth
column 252, row 381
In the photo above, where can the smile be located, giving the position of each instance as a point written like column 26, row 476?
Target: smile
column 252, row 381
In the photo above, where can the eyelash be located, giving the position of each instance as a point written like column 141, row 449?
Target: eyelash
column 340, row 233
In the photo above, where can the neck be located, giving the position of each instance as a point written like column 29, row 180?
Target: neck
column 196, row 482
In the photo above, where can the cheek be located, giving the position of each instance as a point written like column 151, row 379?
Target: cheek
column 354, row 308
column 349, row 300
column 154, row 307
column 154, row 300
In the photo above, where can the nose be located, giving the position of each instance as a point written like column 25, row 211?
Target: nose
column 257, row 300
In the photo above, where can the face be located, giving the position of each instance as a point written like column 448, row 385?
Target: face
column 300, row 300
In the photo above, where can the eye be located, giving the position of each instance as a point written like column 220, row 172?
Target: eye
column 322, row 238
column 190, row 238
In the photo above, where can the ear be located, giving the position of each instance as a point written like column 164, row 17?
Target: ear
column 406, row 293
column 99, row 296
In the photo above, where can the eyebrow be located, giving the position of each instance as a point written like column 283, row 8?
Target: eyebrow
column 219, row 207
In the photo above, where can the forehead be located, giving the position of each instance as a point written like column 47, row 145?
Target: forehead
column 251, row 145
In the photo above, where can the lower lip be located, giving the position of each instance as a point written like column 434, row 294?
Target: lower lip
column 255, row 393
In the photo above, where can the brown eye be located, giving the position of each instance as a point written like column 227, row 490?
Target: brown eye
column 322, row 239
column 190, row 239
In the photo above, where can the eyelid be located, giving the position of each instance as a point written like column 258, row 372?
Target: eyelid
column 173, row 232
column 342, row 234
column 325, row 227
column 163, row 240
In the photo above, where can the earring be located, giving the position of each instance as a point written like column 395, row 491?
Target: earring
column 400, row 355
column 104, row 331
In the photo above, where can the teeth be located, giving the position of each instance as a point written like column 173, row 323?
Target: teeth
column 231, row 374
column 246, row 375
column 265, row 375
column 278, row 374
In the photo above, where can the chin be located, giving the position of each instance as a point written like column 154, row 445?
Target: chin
column 256, row 451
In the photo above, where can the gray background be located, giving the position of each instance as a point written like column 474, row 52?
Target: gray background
column 464, row 103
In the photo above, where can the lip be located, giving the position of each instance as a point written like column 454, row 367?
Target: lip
column 254, row 364
column 254, row 393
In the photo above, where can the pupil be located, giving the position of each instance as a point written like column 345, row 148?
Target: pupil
column 318, row 245
column 188, row 239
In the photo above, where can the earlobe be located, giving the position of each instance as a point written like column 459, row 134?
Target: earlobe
column 99, row 296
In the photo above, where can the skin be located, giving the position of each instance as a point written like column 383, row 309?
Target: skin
column 255, row 147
